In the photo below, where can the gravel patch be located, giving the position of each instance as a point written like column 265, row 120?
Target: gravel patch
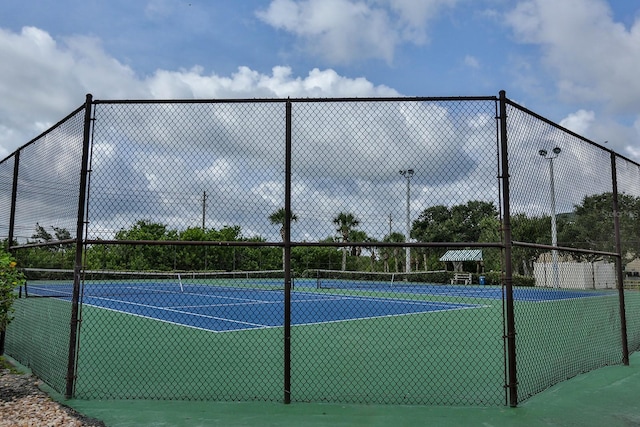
column 22, row 403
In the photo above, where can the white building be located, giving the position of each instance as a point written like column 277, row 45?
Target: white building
column 575, row 275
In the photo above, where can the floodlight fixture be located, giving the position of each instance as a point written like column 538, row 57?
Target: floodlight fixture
column 544, row 153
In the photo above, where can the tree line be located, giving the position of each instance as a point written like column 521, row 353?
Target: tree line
column 589, row 226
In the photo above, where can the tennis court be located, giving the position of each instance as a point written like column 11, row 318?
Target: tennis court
column 243, row 303
column 466, row 291
column 222, row 339
column 227, row 307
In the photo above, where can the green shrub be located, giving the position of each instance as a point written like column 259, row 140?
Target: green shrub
column 10, row 279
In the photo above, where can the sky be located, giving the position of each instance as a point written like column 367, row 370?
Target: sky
column 574, row 62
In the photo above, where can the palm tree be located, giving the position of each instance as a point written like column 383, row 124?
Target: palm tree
column 395, row 237
column 384, row 254
column 372, row 249
column 360, row 237
column 278, row 218
column 346, row 222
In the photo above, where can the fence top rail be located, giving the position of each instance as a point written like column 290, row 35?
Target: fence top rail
column 280, row 244
column 565, row 248
column 44, row 244
column 299, row 100
column 404, row 244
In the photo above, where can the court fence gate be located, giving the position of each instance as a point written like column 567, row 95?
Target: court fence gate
column 356, row 250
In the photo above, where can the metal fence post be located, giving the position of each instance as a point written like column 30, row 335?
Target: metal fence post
column 14, row 196
column 287, row 259
column 619, row 273
column 512, row 380
column 75, row 304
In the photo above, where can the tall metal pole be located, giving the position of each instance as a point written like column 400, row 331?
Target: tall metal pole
column 287, row 257
column 204, row 209
column 408, row 173
column 619, row 272
column 14, row 197
column 554, row 227
column 510, row 336
column 77, row 268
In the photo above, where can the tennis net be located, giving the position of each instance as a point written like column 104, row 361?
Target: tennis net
column 59, row 282
column 338, row 279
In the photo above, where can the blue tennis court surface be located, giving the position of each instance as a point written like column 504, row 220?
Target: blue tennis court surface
column 468, row 291
column 221, row 309
column 262, row 309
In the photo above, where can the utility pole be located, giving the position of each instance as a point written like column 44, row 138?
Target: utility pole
column 204, row 209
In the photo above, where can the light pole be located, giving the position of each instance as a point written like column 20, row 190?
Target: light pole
column 554, row 231
column 408, row 173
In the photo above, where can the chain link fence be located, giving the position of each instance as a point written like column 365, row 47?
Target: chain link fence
column 440, row 251
column 40, row 199
column 628, row 175
column 565, row 185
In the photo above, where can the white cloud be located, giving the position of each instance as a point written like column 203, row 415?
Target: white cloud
column 252, row 84
column 339, row 30
column 415, row 14
column 344, row 31
column 604, row 130
column 471, row 61
column 158, row 9
column 579, row 122
column 593, row 58
column 43, row 79
column 49, row 78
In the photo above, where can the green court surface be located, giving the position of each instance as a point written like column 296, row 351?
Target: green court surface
column 453, row 357
column 134, row 370
column 604, row 397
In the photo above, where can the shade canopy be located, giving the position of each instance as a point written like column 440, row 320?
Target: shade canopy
column 462, row 255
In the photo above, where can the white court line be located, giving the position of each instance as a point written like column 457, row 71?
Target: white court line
column 609, row 295
column 335, row 297
column 222, row 296
column 255, row 326
column 391, row 315
column 227, row 305
column 173, row 311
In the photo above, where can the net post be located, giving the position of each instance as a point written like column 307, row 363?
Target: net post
column 180, row 283
column 77, row 269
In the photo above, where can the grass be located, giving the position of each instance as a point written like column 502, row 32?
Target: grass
column 4, row 364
